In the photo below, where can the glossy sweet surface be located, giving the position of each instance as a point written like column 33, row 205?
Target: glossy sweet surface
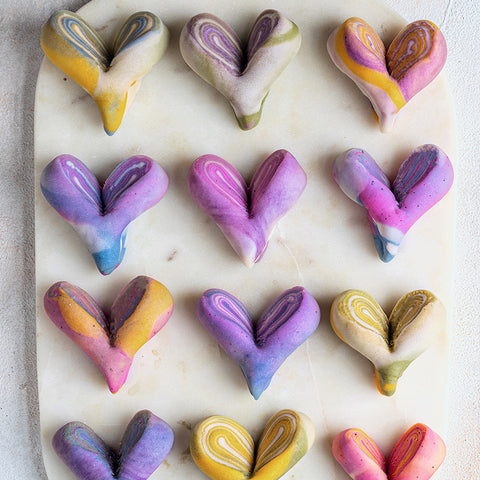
column 417, row 455
column 224, row 450
column 423, row 179
column 101, row 213
column 138, row 313
column 111, row 76
column 390, row 343
column 145, row 444
column 389, row 78
column 244, row 75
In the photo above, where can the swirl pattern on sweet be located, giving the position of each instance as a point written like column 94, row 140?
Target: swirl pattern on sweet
column 138, row 313
column 417, row 454
column 390, row 343
column 261, row 31
column 145, row 444
column 389, row 79
column 134, row 28
column 222, row 448
column 247, row 215
column 423, row 179
column 259, row 348
column 101, row 215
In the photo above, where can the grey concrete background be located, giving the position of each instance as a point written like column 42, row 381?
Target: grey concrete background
column 20, row 57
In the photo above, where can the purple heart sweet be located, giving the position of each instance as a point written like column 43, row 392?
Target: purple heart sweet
column 144, row 446
column 259, row 348
column 422, row 180
column 101, row 214
column 247, row 215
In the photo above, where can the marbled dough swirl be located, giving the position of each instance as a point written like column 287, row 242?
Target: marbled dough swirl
column 101, row 215
column 417, row 455
column 244, row 76
column 111, row 76
column 138, row 313
column 389, row 79
column 247, row 215
column 390, row 343
column 423, row 179
column 145, row 444
column 223, row 449
column 259, row 348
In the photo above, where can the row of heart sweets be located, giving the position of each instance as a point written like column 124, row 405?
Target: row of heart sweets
column 244, row 76
column 223, row 449
column 246, row 215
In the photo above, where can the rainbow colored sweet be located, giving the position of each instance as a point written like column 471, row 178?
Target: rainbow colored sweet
column 212, row 49
column 423, row 179
column 259, row 347
column 139, row 312
column 111, row 76
column 101, row 215
column 417, row 455
column 388, row 78
column 390, row 343
column 247, row 215
column 144, row 446
column 223, row 449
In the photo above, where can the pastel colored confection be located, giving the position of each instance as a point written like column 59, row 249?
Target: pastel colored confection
column 423, row 179
column 247, row 215
column 390, row 343
column 224, row 450
column 144, row 446
column 101, row 214
column 111, row 76
column 244, row 76
column 388, row 78
column 417, row 455
column 259, row 348
column 138, row 313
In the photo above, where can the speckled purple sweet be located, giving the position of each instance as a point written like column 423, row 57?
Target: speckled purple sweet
column 416, row 456
column 138, row 313
column 247, row 215
column 259, row 347
column 144, row 446
column 422, row 180
column 101, row 215
column 389, row 79
column 244, row 76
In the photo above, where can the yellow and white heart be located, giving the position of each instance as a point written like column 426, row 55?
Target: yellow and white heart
column 390, row 343
column 224, row 450
column 111, row 77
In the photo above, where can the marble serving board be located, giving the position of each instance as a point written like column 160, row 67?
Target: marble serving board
column 323, row 244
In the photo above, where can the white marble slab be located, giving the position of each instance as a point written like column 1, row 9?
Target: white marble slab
column 324, row 243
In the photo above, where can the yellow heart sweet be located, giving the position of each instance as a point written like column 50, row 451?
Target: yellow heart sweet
column 224, row 450
column 390, row 343
column 111, row 77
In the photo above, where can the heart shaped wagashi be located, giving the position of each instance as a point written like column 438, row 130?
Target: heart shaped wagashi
column 390, row 343
column 244, row 76
column 389, row 80
column 224, row 450
column 138, row 313
column 417, row 455
column 101, row 215
column 423, row 179
column 145, row 444
column 111, row 77
column 247, row 215
column 262, row 347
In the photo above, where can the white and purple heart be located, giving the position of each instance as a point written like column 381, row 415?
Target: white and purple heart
column 144, row 446
column 213, row 51
column 259, row 348
column 101, row 214
column 423, row 179
column 247, row 215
